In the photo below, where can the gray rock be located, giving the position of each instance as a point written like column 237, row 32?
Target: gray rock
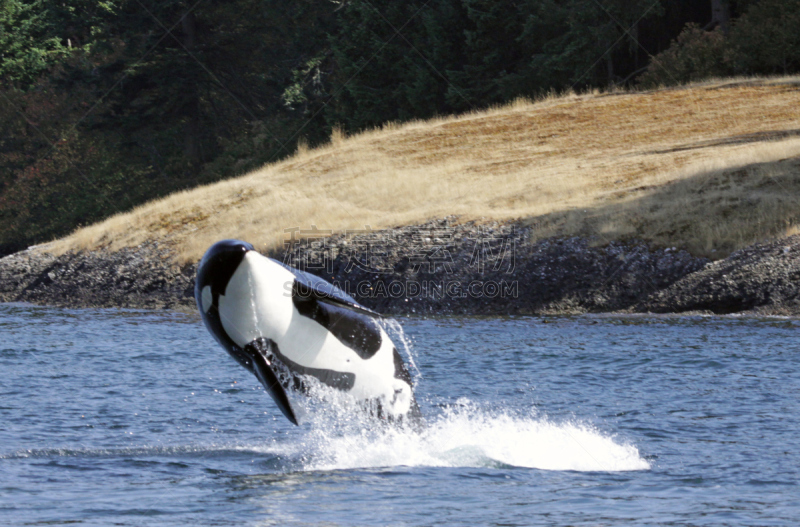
column 763, row 279
column 442, row 267
column 141, row 277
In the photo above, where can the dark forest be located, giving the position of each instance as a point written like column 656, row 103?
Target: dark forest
column 105, row 105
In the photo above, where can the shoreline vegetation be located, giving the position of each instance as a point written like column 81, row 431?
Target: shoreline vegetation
column 671, row 200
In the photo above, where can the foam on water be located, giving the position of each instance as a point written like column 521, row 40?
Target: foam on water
column 465, row 436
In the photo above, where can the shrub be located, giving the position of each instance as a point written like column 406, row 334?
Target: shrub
column 695, row 55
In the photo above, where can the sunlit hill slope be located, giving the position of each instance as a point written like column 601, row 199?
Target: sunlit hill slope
column 710, row 168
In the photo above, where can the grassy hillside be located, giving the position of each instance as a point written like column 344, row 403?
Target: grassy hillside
column 710, row 167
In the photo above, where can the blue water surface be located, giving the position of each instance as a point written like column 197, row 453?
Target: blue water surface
column 138, row 418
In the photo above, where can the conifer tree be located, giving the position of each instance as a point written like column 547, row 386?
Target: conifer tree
column 491, row 55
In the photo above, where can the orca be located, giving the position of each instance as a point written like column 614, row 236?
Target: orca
column 285, row 326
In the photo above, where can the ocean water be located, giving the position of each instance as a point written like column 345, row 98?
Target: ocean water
column 137, row 418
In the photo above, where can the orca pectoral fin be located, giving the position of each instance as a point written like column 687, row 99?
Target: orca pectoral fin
column 352, row 306
column 308, row 287
column 270, row 381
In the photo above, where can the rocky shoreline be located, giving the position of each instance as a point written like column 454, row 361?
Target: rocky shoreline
column 443, row 267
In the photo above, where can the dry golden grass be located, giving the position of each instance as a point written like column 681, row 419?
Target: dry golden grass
column 710, row 167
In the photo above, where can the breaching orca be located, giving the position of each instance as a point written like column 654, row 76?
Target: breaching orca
column 284, row 324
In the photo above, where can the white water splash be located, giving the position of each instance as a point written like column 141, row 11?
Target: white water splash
column 464, row 437
column 404, row 346
column 340, row 435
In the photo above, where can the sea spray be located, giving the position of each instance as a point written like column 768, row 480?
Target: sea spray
column 404, row 346
column 339, row 434
column 463, row 435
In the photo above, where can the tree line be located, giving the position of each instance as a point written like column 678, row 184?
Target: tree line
column 104, row 105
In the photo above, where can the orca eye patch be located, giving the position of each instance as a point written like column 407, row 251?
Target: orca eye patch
column 206, row 298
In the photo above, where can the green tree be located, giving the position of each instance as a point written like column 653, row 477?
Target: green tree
column 53, row 177
column 172, row 93
column 695, row 55
column 439, row 52
column 766, row 38
column 586, row 43
column 374, row 61
column 491, row 55
column 28, row 42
